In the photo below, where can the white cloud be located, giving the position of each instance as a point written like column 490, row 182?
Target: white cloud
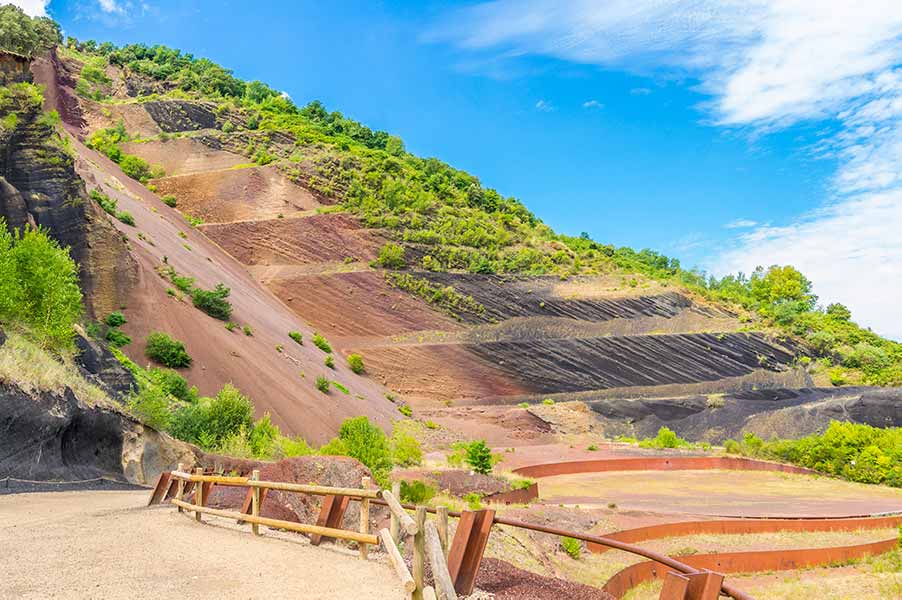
column 741, row 224
column 32, row 8
column 765, row 65
column 592, row 104
column 111, row 7
column 640, row 91
column 544, row 106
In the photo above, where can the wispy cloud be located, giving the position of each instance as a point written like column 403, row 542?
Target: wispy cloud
column 640, row 91
column 592, row 104
column 33, row 8
column 740, row 224
column 111, row 7
column 545, row 106
column 765, row 65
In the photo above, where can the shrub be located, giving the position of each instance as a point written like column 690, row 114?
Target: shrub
column 170, row 200
column 151, row 407
column 116, row 338
column 135, row 167
column 231, row 326
column 211, row 420
column 321, row 343
column 416, row 492
column 105, row 202
column 172, row 383
column 297, row 337
column 213, row 302
column 666, row 438
column 355, row 361
column 39, row 285
column 247, row 330
column 115, row 319
column 322, row 384
column 571, row 546
column 167, row 351
column 405, row 410
column 391, row 256
column 473, row 500
column 523, row 405
column 125, row 217
column 731, row 447
column 592, row 448
column 262, row 437
column 329, row 362
column 405, row 449
column 479, row 457
column 367, row 443
column 548, row 402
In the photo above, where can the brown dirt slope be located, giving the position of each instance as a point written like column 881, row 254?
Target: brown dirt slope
column 237, row 194
column 179, row 156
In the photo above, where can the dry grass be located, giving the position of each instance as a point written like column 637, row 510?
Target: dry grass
column 33, row 369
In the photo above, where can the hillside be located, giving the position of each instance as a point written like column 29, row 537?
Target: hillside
column 452, row 294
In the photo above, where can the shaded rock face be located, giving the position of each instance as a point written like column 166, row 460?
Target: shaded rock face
column 333, row 471
column 778, row 412
column 52, row 436
column 176, row 115
column 98, row 365
column 39, row 186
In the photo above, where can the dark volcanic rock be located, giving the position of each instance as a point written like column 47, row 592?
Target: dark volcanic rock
column 99, row 365
column 177, row 115
column 768, row 413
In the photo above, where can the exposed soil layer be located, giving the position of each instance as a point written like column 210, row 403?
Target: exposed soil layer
column 237, row 194
column 179, row 156
column 353, row 304
column 507, row 582
column 771, row 412
column 297, row 241
column 133, row 116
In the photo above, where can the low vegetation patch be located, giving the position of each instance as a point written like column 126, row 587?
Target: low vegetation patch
column 355, row 362
column 168, row 352
column 297, row 337
column 321, row 343
column 446, row 298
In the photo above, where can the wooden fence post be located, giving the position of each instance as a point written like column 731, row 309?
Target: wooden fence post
column 419, row 553
column 180, row 489
column 198, row 493
column 441, row 515
column 255, row 501
column 364, row 517
column 441, row 579
column 394, row 528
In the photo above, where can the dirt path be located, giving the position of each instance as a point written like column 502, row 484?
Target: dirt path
column 108, row 545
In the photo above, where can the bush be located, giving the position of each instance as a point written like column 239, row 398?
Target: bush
column 297, row 337
column 416, row 492
column 135, row 167
column 322, row 384
column 571, row 546
column 405, row 410
column 479, row 457
column 116, row 338
column 125, row 217
column 213, row 302
column 405, row 449
column 247, row 330
column 173, row 384
column 151, row 407
column 367, row 443
column 39, row 285
column 211, row 420
column 167, row 351
column 355, row 361
column 115, row 319
column 321, row 343
column 329, row 362
column 666, row 438
column 170, row 200
column 391, row 256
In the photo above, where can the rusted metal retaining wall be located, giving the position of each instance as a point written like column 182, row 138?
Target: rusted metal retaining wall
column 652, row 463
column 521, row 496
column 746, row 562
column 744, row 526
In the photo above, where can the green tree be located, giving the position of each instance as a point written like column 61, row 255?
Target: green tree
column 26, row 35
column 367, row 443
column 479, row 457
column 781, row 284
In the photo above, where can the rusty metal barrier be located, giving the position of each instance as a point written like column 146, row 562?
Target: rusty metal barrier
column 744, row 526
column 746, row 562
column 654, row 463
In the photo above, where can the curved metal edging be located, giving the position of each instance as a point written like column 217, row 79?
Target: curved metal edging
column 744, row 526
column 654, row 463
column 746, row 562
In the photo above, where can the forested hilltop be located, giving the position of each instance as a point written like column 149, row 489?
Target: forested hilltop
column 441, row 218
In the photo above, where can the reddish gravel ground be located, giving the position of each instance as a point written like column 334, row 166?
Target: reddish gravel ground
column 507, row 582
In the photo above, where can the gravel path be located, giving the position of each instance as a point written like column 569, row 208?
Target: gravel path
column 107, row 544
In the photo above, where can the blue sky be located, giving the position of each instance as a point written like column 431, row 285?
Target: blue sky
column 727, row 134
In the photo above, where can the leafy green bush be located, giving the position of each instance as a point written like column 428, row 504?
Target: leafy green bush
column 355, row 361
column 116, row 338
column 479, row 457
column 416, row 492
column 211, row 420
column 405, row 449
column 213, row 302
column 125, row 217
column 572, row 546
column 167, row 351
column 173, row 384
column 405, row 410
column 321, row 343
column 38, row 285
column 115, row 319
column 151, row 406
column 135, row 167
column 297, row 337
column 169, row 200
column 329, row 362
column 322, row 384
column 247, row 330
column 105, row 202
column 391, row 256
column 473, row 500
column 666, row 438
column 367, row 443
